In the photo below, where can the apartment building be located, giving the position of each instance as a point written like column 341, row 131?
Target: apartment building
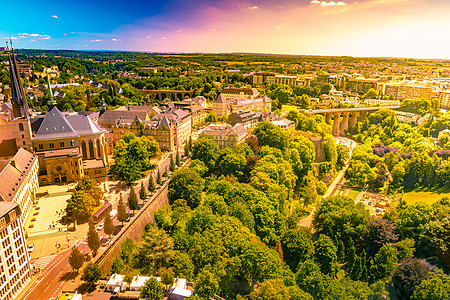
column 444, row 99
column 14, row 258
column 226, row 135
column 19, row 180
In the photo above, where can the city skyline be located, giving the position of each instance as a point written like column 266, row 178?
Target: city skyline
column 383, row 28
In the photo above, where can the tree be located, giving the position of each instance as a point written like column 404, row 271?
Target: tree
column 80, row 206
column 117, row 265
column 211, row 117
column 172, row 163
column 405, row 248
column 177, row 159
column 93, row 240
column 109, row 226
column 151, row 184
column 132, row 156
column 142, row 193
column 326, row 255
column 206, row 150
column 92, row 273
column 297, row 246
column 152, row 290
column 188, row 185
column 158, row 177
column 436, row 287
column 133, row 203
column 186, row 150
column 270, row 135
column 121, row 211
column 384, row 263
column 183, row 266
column 76, row 259
column 154, row 251
column 409, row 274
column 167, row 276
column 379, row 232
column 166, row 173
column 207, row 284
column 276, row 289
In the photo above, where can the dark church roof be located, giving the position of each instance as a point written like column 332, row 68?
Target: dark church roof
column 83, row 125
column 55, row 126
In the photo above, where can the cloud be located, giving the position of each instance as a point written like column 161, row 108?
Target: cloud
column 55, row 16
column 116, row 40
column 149, row 37
column 329, row 3
column 163, row 38
column 253, row 7
column 96, row 40
column 44, row 37
column 280, row 26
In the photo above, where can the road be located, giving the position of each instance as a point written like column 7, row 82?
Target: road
column 58, row 272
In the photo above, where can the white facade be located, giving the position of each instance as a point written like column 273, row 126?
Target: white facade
column 14, row 258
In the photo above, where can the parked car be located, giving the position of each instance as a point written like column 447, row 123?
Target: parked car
column 113, row 213
column 100, row 227
column 117, row 229
column 31, row 248
column 105, row 242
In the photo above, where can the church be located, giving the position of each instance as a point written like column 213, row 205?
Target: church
column 68, row 147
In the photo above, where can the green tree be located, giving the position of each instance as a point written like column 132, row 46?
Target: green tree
column 92, row 273
column 121, row 211
column 158, row 177
column 133, row 203
column 117, row 265
column 211, row 118
column 142, row 193
column 93, row 240
column 76, row 259
column 187, row 150
column 297, row 246
column 152, row 290
column 166, row 173
column 276, row 289
column 172, row 163
column 188, row 185
column 384, row 263
column 436, row 287
column 80, row 206
column 154, row 251
column 326, row 255
column 167, row 277
column 151, row 184
column 109, row 226
column 207, row 284
column 183, row 266
column 177, row 159
column 206, row 150
column 270, row 135
column 409, row 274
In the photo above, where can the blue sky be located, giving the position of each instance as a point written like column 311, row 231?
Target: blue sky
column 401, row 28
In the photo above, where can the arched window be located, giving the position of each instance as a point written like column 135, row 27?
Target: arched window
column 91, row 149
column 20, row 126
column 99, row 152
column 83, row 149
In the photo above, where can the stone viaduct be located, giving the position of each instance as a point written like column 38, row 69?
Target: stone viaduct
column 349, row 116
column 173, row 95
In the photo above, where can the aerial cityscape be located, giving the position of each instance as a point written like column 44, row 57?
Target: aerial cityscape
column 225, row 150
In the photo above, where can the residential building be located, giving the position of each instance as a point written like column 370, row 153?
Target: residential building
column 25, row 69
column 407, row 90
column 19, row 180
column 406, row 117
column 138, row 282
column 249, row 118
column 284, row 124
column 381, row 102
column 226, row 135
column 444, row 99
column 14, row 258
column 196, row 107
column 222, row 106
column 230, row 93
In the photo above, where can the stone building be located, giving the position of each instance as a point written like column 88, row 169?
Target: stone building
column 224, row 106
column 226, row 135
column 19, row 180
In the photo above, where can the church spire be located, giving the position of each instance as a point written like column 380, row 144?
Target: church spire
column 18, row 101
column 51, row 101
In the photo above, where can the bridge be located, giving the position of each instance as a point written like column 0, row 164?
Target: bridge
column 349, row 116
column 173, row 95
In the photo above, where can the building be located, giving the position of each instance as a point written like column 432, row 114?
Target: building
column 138, row 282
column 115, row 281
column 407, row 90
column 406, row 117
column 222, row 106
column 182, row 122
column 381, row 102
column 14, row 258
column 230, row 93
column 19, row 180
column 249, row 118
column 25, row 69
column 226, row 135
column 284, row 124
column 444, row 99
column 196, row 107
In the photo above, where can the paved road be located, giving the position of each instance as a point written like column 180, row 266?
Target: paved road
column 58, row 272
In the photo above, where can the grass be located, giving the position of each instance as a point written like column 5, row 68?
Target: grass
column 353, row 193
column 414, row 197
column 288, row 107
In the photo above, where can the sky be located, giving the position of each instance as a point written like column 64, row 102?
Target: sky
column 382, row 28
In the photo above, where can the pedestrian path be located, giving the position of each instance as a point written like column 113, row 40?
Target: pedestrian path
column 42, row 262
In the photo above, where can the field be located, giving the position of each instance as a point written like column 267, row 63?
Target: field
column 427, row 197
column 288, row 107
column 353, row 193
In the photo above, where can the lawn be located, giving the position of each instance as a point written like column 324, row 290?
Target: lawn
column 353, row 193
column 288, row 107
column 427, row 197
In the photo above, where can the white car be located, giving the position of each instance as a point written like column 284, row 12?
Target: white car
column 30, row 248
column 113, row 213
column 100, row 227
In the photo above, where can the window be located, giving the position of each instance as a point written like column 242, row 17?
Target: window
column 61, row 144
column 21, row 127
column 83, row 149
column 52, row 146
column 91, row 149
column 23, row 136
column 12, row 215
column 41, row 146
column 99, row 152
